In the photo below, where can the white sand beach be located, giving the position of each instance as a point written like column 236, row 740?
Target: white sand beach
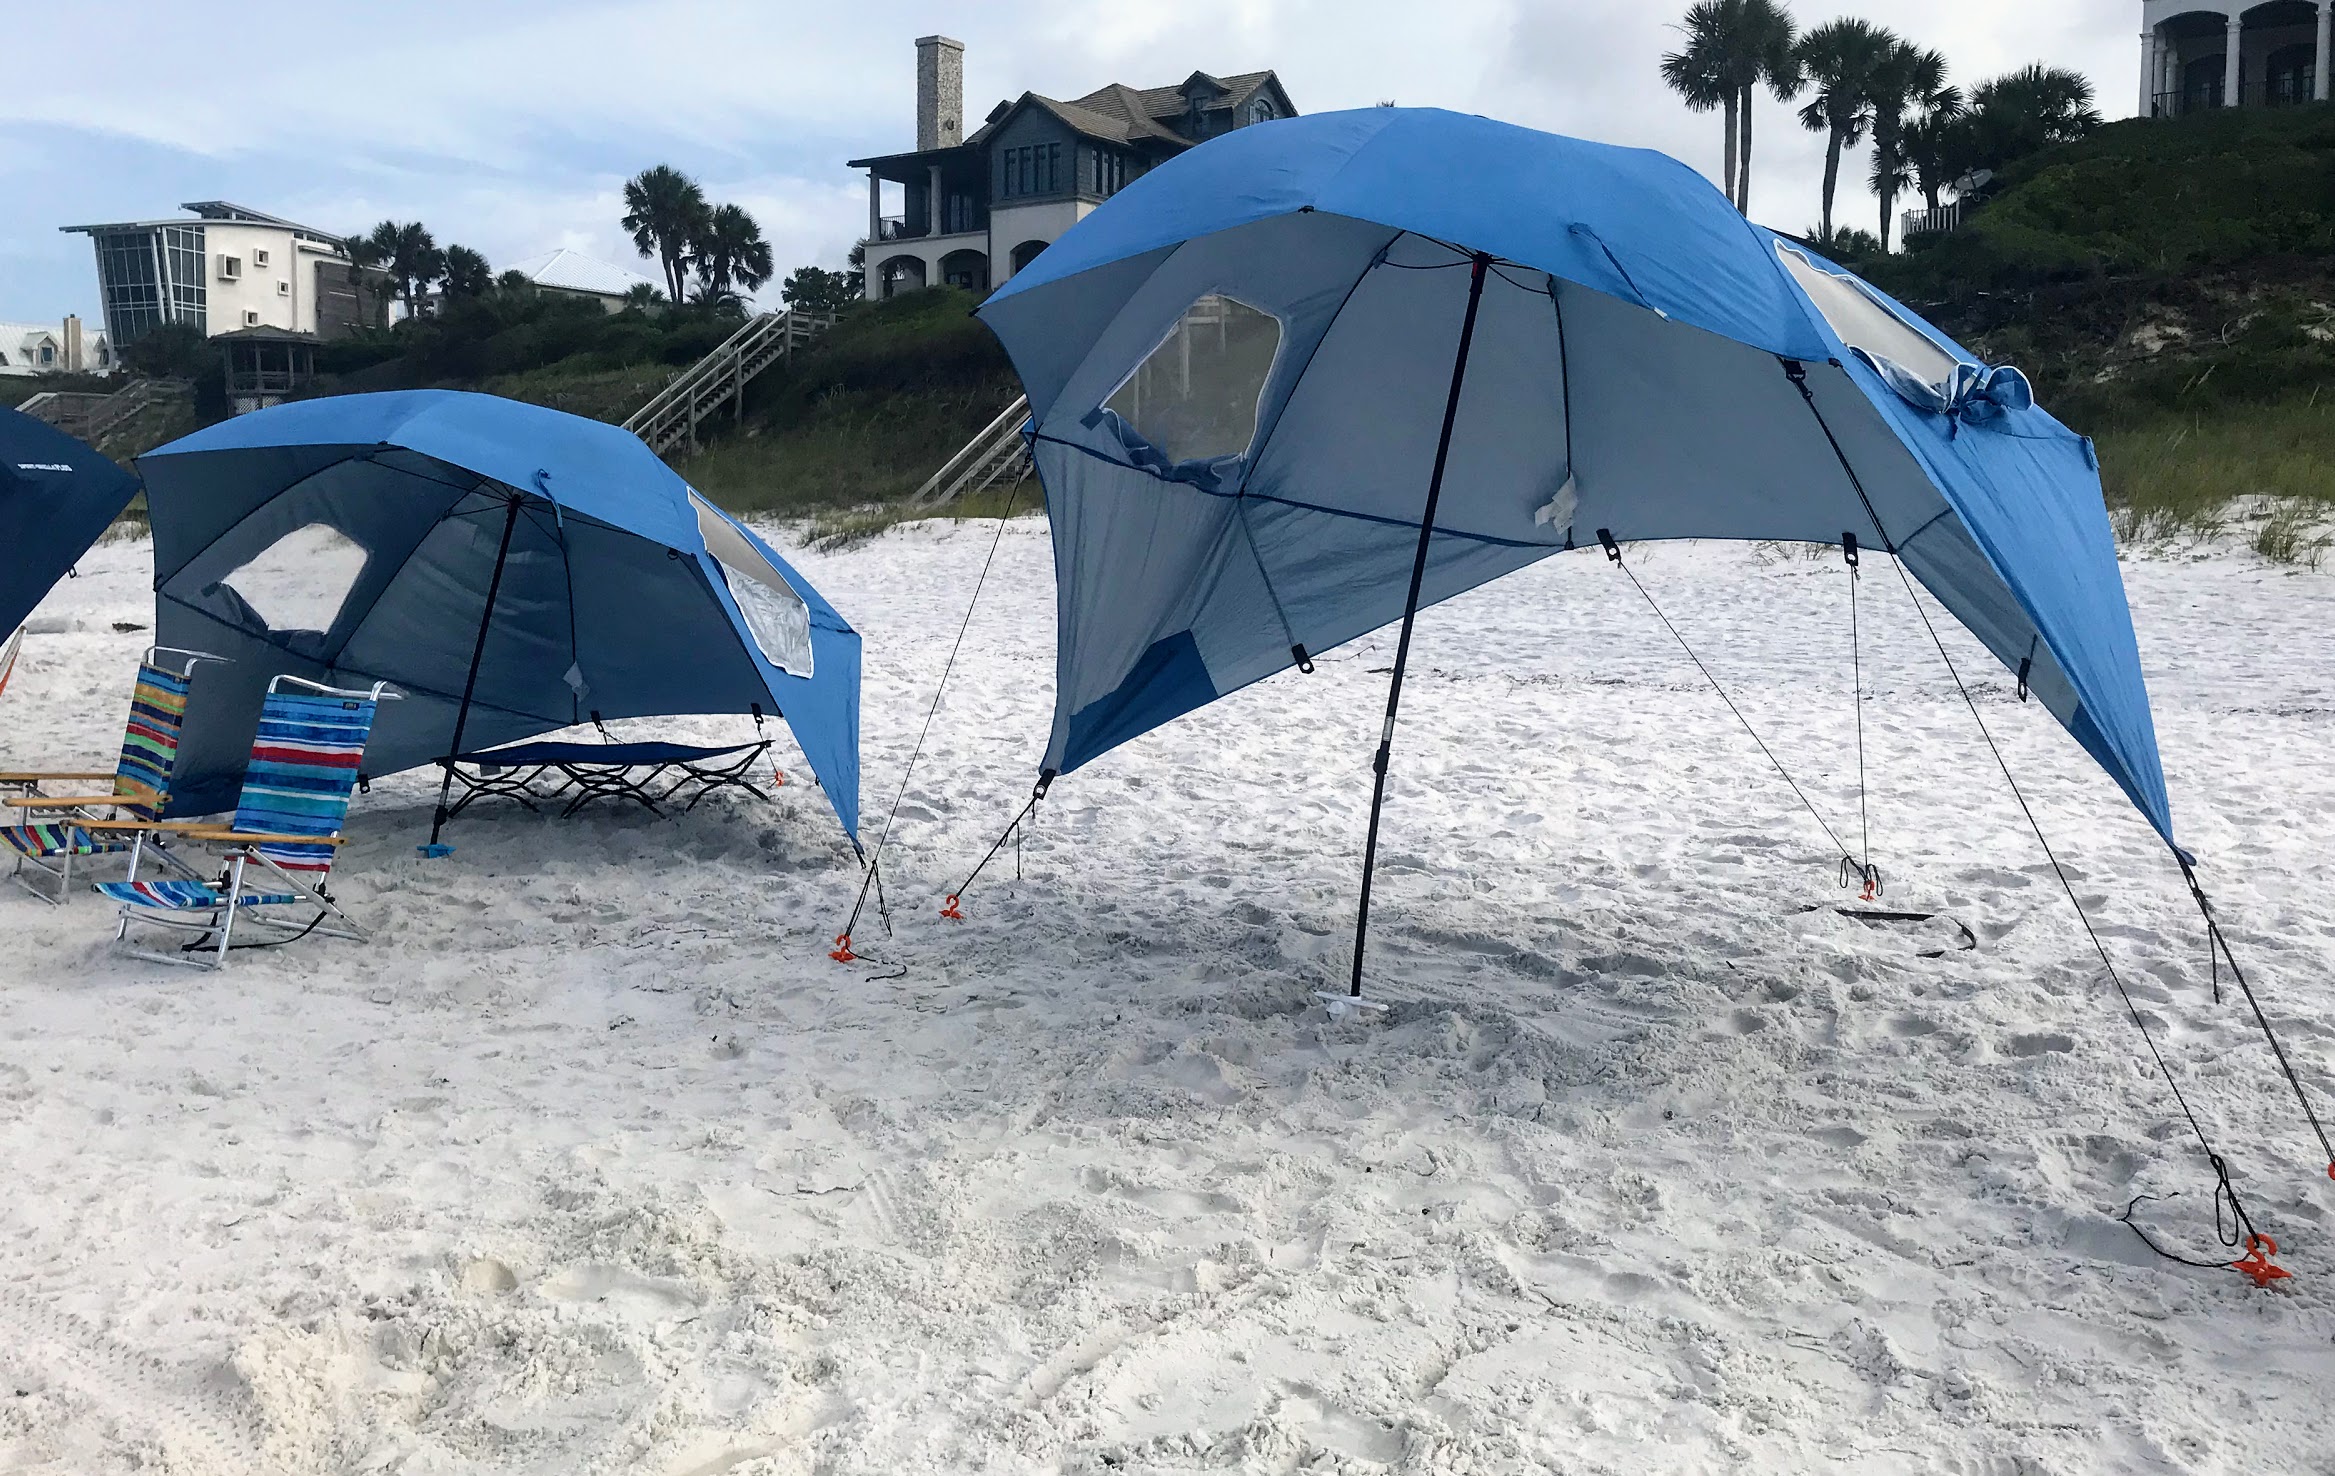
column 595, row 1162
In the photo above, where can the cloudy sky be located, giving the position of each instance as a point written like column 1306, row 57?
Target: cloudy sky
column 511, row 125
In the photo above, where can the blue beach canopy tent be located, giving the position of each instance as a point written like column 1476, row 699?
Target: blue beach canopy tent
column 57, row 495
column 1302, row 381
column 1313, row 375
column 511, row 570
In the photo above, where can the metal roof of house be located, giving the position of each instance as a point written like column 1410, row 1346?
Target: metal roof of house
column 229, row 210
column 572, row 271
column 223, row 212
column 20, row 342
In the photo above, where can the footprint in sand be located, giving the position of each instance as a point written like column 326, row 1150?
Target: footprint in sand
column 2051, row 1042
column 624, row 1291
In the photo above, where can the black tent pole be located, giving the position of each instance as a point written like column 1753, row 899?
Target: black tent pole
column 470, row 683
column 1394, row 689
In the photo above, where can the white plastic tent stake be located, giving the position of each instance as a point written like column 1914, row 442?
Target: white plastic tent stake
column 1340, row 1006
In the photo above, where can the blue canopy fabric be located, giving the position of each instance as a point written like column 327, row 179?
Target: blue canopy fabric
column 57, row 495
column 1646, row 361
column 622, row 593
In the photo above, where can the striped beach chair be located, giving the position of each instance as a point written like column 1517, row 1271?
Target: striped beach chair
column 8, row 654
column 287, row 827
column 57, row 829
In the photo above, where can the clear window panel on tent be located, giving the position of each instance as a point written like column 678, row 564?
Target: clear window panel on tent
column 1195, row 398
column 1864, row 321
column 300, row 581
column 777, row 618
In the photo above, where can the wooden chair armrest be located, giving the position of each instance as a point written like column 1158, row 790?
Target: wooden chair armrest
column 85, row 801
column 58, row 778
column 232, row 836
column 57, row 801
column 166, row 827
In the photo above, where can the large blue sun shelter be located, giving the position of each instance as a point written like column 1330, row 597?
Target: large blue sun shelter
column 57, row 495
column 1308, row 378
column 511, row 570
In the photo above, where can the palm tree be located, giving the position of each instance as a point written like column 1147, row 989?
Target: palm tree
column 1847, row 245
column 1772, row 57
column 369, row 274
column 665, row 211
column 644, row 296
column 2029, row 111
column 1839, row 58
column 409, row 256
column 1732, row 48
column 1938, row 148
column 1704, row 71
column 467, row 273
column 732, row 258
column 1906, row 81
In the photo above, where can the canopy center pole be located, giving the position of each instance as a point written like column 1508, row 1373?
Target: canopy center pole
column 486, row 619
column 1394, row 689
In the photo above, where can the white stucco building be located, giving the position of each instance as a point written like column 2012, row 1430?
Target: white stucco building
column 69, row 347
column 225, row 268
column 2197, row 54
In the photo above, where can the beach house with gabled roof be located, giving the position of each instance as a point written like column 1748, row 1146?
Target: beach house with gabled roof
column 976, row 208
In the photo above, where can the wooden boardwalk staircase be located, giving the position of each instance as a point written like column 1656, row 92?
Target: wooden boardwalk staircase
column 996, row 457
column 671, row 418
column 131, row 420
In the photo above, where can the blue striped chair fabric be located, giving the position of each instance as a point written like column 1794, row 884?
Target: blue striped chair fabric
column 187, row 896
column 303, row 767
column 52, row 839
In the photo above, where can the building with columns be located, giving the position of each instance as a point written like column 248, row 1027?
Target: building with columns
column 978, row 207
column 2233, row 53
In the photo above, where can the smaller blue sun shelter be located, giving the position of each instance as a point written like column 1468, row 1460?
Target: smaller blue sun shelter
column 57, row 496
column 1311, row 365
column 511, row 570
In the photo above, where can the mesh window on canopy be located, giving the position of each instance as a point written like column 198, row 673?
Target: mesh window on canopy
column 1864, row 321
column 776, row 617
column 1195, row 398
column 300, row 581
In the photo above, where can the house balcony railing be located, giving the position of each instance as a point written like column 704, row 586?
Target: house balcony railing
column 1947, row 217
column 2291, row 91
column 902, row 228
column 2188, row 100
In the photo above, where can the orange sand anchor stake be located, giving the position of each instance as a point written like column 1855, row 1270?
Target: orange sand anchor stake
column 950, row 910
column 2256, row 1266
column 842, row 953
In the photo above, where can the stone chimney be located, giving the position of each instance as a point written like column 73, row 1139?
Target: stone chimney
column 73, row 349
column 940, row 92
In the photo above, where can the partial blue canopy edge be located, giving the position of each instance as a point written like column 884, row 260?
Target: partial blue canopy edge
column 57, row 495
column 1647, row 363
column 624, row 593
